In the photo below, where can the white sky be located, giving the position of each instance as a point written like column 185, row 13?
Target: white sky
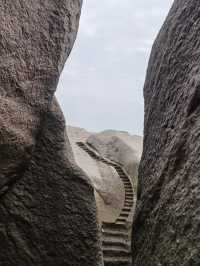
column 101, row 86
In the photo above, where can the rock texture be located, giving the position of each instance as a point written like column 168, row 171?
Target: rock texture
column 47, row 206
column 167, row 223
column 117, row 146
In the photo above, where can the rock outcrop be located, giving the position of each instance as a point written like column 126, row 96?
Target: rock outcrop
column 110, row 159
column 47, row 205
column 117, row 146
column 166, row 230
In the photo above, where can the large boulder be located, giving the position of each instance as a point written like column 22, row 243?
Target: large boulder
column 47, row 206
column 166, row 230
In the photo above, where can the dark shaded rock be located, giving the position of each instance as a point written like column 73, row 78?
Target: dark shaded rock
column 167, row 223
column 47, row 205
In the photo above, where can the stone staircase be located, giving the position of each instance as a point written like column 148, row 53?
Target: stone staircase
column 116, row 243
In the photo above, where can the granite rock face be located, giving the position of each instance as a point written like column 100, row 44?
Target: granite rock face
column 120, row 147
column 117, row 146
column 47, row 205
column 166, row 230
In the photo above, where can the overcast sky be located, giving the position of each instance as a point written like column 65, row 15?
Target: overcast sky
column 102, row 82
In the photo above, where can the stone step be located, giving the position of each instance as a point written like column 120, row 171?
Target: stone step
column 124, row 179
column 110, row 233
column 115, row 252
column 127, row 183
column 128, row 188
column 128, row 204
column 119, row 261
column 121, row 220
column 126, row 209
column 115, row 226
column 80, row 143
column 94, row 157
column 124, row 214
column 128, row 201
column 128, row 196
column 103, row 160
column 115, row 238
column 118, row 168
column 83, row 148
column 90, row 153
column 86, row 150
column 122, row 175
column 121, row 243
column 129, row 193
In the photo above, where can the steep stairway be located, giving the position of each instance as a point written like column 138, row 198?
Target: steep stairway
column 116, row 243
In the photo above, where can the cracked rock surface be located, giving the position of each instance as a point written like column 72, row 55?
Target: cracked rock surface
column 47, row 205
column 166, row 230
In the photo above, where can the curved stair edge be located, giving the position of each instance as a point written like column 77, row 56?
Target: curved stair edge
column 116, row 244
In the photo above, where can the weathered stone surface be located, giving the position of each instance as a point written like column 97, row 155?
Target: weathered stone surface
column 117, row 146
column 167, row 223
column 111, row 160
column 47, row 205
column 120, row 147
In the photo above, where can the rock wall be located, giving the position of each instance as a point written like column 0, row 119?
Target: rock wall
column 47, row 206
column 166, row 230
